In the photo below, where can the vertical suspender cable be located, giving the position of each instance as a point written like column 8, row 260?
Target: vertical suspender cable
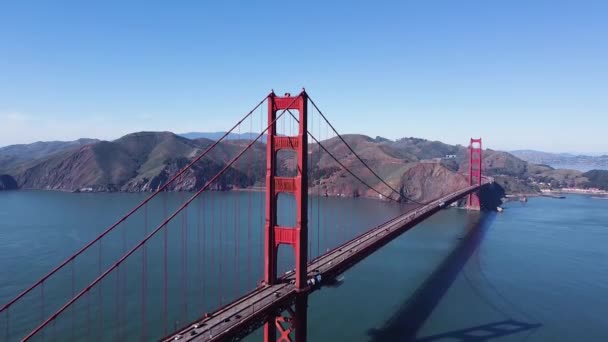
column 123, row 288
column 319, row 195
column 311, row 183
column 165, row 236
column 236, row 238
column 117, row 307
column 88, row 316
column 326, row 230
column 237, row 243
column 249, row 181
column 185, row 264
column 8, row 320
column 204, row 255
column 214, row 246
column 99, row 294
column 42, row 303
column 262, row 198
column 212, row 256
column 144, row 254
column 199, row 260
column 73, row 293
column 221, row 249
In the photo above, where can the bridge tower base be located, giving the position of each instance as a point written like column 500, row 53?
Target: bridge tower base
column 475, row 162
column 294, row 320
column 275, row 235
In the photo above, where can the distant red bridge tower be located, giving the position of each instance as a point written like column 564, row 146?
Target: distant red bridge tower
column 475, row 160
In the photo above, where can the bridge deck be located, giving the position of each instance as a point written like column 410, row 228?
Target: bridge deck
column 251, row 310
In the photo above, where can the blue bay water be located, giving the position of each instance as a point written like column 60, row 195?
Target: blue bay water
column 537, row 272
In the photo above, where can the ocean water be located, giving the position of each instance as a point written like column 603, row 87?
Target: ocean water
column 536, row 272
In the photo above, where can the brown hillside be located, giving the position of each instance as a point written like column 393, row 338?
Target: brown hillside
column 144, row 161
column 427, row 181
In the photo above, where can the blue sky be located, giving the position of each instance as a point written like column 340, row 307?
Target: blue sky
column 521, row 74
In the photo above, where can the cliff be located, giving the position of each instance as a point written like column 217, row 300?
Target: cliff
column 8, row 183
column 427, row 181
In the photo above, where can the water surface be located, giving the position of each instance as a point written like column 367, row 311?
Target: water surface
column 537, row 272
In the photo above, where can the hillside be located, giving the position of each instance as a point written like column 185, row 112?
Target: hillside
column 22, row 155
column 144, row 161
column 597, row 179
column 218, row 135
column 136, row 162
column 411, row 161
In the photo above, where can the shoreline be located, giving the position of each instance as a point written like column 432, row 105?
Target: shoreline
column 581, row 192
column 253, row 189
column 557, row 194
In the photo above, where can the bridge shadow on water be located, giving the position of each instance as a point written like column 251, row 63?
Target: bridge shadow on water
column 482, row 332
column 413, row 313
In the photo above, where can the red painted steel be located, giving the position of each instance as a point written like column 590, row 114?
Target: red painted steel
column 475, row 164
column 284, row 331
column 297, row 236
column 286, row 143
column 285, row 235
column 294, row 320
column 285, row 184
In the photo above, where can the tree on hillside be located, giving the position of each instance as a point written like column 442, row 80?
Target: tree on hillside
column 597, row 179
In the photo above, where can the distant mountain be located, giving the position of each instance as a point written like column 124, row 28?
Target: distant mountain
column 218, row 135
column 42, row 148
column 16, row 155
column 564, row 160
column 136, row 162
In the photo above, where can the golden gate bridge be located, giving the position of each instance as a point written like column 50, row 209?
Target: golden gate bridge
column 152, row 276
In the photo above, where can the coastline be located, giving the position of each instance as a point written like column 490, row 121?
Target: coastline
column 591, row 192
column 252, row 189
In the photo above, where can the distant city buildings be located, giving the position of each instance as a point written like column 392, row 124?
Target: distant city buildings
column 584, row 191
column 590, row 191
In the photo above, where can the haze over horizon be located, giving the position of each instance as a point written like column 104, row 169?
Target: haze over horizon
column 521, row 75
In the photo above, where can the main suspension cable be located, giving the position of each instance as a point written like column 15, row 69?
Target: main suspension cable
column 343, row 166
column 347, row 169
column 401, row 196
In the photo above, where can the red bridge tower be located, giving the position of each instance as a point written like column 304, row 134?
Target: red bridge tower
column 275, row 235
column 475, row 150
